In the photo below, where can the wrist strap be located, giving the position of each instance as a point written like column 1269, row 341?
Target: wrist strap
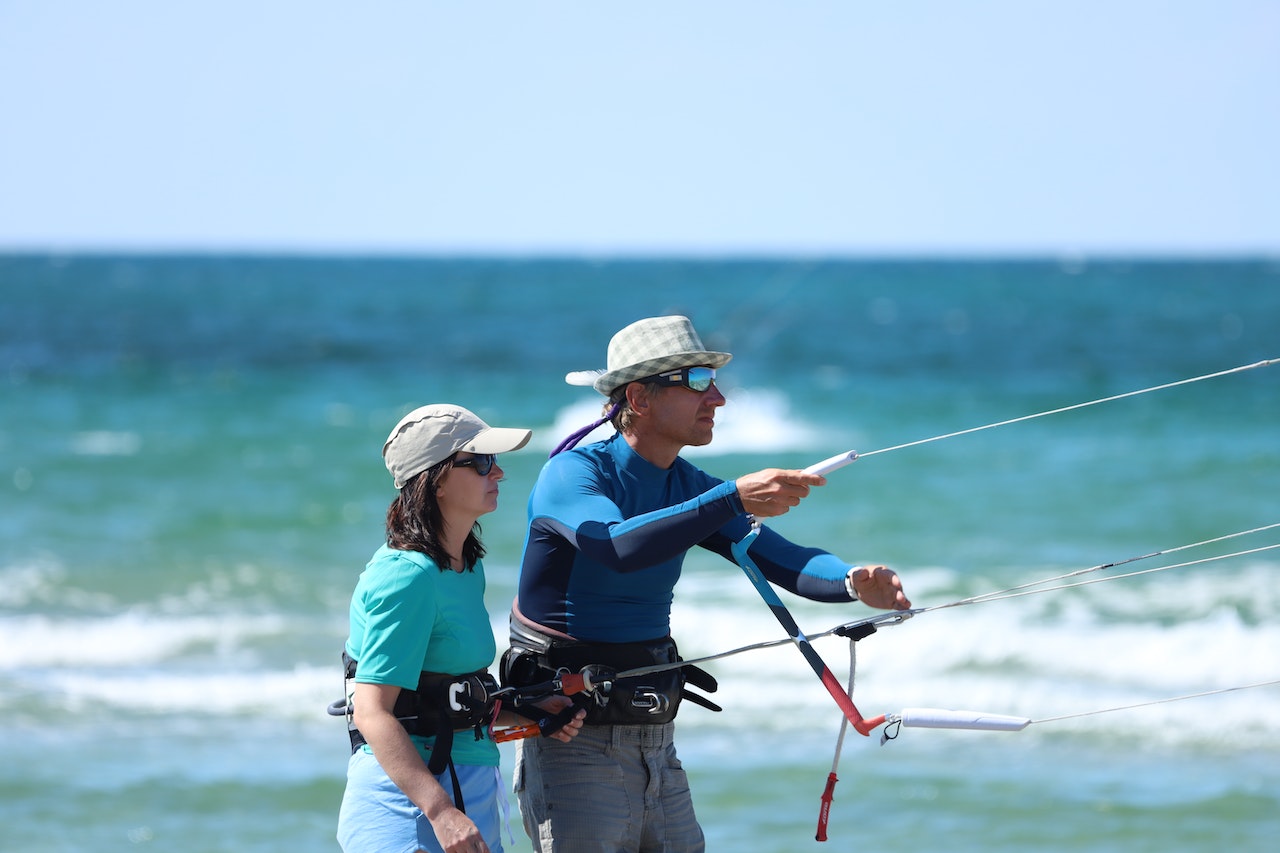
column 848, row 582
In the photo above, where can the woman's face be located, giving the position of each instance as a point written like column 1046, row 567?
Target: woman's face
column 466, row 493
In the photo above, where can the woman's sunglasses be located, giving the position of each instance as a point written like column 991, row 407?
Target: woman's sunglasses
column 694, row 378
column 482, row 462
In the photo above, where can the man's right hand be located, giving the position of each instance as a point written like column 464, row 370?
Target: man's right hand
column 773, row 491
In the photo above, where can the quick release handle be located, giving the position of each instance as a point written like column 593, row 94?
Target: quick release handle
column 824, row 813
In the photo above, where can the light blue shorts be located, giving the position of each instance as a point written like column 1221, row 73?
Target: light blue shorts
column 377, row 817
column 610, row 789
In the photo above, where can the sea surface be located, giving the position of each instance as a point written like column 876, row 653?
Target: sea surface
column 190, row 483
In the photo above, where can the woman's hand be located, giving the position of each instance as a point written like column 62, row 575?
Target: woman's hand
column 456, row 832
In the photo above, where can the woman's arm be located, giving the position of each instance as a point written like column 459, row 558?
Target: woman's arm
column 398, row 756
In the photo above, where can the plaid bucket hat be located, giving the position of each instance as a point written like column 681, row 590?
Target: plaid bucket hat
column 647, row 347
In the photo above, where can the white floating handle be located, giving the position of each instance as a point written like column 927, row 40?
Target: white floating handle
column 940, row 718
column 826, row 466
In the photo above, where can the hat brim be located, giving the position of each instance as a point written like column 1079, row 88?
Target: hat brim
column 610, row 381
column 497, row 440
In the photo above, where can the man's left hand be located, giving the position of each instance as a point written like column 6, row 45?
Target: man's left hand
column 879, row 586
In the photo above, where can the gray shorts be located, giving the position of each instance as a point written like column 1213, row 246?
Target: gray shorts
column 612, row 789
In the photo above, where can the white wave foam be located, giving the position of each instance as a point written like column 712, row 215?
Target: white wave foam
column 300, row 693
column 127, row 640
column 142, row 662
column 23, row 583
column 106, row 443
column 1006, row 658
column 1074, row 652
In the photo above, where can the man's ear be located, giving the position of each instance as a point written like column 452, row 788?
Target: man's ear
column 638, row 398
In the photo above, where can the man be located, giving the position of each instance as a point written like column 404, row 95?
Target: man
column 609, row 525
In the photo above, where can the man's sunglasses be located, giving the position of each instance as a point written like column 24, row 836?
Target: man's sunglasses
column 694, row 378
column 482, row 462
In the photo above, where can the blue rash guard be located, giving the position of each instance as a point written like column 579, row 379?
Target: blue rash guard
column 608, row 532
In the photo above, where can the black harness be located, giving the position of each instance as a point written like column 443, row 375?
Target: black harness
column 651, row 699
column 440, row 705
column 443, row 704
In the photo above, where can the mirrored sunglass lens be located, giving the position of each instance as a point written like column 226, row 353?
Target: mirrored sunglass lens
column 699, row 378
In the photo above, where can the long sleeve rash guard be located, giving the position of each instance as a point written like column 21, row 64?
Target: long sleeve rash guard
column 607, row 536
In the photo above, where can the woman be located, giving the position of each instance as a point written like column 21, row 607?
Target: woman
column 420, row 637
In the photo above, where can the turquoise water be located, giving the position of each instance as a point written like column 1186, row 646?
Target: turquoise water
column 190, row 483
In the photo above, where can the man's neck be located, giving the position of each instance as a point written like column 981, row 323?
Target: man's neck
column 661, row 454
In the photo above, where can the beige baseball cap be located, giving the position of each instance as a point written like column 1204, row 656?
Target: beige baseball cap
column 431, row 434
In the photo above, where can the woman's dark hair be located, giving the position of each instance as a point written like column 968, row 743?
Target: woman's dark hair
column 415, row 523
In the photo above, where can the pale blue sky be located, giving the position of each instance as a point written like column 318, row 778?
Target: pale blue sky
column 622, row 129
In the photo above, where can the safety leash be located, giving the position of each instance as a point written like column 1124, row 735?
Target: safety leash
column 783, row 615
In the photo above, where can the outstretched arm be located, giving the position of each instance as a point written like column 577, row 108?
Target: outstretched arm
column 812, row 572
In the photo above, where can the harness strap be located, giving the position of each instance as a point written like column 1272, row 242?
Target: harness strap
column 442, row 759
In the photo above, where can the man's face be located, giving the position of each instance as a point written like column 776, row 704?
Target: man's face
column 684, row 416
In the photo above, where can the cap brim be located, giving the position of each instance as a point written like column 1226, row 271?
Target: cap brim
column 498, row 440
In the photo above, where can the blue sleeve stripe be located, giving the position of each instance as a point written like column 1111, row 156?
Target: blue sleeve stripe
column 654, row 537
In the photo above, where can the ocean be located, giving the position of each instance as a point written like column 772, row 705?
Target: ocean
column 190, row 483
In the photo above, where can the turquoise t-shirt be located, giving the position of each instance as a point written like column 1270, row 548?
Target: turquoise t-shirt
column 408, row 617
